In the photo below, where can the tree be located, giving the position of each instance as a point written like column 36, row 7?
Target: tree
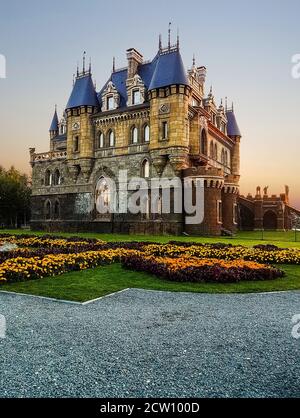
column 15, row 195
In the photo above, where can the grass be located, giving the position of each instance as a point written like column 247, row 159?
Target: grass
column 282, row 239
column 101, row 281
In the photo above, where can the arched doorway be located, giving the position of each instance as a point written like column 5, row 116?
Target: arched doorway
column 270, row 220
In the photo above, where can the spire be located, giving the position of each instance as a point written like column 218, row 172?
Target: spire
column 169, row 36
column 73, row 79
column 210, row 95
column 159, row 43
column 114, row 65
column 77, row 69
column 226, row 104
column 83, row 62
column 90, row 66
column 178, row 41
column 54, row 123
column 194, row 61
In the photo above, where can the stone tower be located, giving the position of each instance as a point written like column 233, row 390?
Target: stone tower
column 82, row 104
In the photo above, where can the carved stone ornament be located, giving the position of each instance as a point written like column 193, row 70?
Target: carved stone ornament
column 164, row 109
column 203, row 122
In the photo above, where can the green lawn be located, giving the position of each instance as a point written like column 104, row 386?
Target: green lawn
column 283, row 239
column 91, row 284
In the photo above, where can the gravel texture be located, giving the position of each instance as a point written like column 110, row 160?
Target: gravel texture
column 151, row 344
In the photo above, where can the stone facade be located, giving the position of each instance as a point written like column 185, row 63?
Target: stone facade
column 139, row 117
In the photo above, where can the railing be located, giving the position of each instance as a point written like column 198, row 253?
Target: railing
column 46, row 156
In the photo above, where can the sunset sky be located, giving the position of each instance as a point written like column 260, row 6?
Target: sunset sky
column 246, row 46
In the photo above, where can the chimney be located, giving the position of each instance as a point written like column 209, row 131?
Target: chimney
column 134, row 60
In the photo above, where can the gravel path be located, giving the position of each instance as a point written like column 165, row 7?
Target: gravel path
column 140, row 343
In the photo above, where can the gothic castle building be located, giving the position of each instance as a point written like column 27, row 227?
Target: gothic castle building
column 152, row 118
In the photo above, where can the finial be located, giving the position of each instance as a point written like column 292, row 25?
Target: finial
column 226, row 103
column 83, row 62
column 114, row 65
column 159, row 43
column 232, row 107
column 73, row 80
column 169, row 36
column 90, row 66
column 55, row 108
column 77, row 69
column 194, row 61
column 178, row 43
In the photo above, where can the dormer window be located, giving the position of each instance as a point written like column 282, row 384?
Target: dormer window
column 136, row 91
column 110, row 103
column 110, row 97
column 136, row 97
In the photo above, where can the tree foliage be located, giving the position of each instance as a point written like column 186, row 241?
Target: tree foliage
column 14, row 197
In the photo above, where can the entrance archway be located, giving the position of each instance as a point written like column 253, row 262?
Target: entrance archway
column 270, row 220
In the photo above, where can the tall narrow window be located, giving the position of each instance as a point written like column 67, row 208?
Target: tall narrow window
column 235, row 213
column 216, row 152
column 134, row 135
column 136, row 97
column 48, row 210
column 47, row 178
column 226, row 159
column 56, row 178
column 110, row 103
column 203, row 145
column 146, row 133
column 211, row 150
column 146, row 169
column 56, row 210
column 219, row 211
column 76, row 144
column 111, row 138
column 165, row 130
column 101, row 140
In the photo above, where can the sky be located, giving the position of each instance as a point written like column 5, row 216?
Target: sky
column 246, row 46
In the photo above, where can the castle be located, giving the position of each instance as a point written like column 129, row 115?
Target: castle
column 152, row 118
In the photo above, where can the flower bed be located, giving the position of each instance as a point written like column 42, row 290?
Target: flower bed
column 20, row 268
column 261, row 255
column 191, row 269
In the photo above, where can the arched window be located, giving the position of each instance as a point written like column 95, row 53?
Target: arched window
column 211, row 150
column 223, row 156
column 216, row 152
column 56, row 178
column 203, row 147
column 134, row 135
column 146, row 133
column 48, row 178
column 47, row 209
column 146, row 169
column 111, row 138
column 56, row 210
column 226, row 159
column 101, row 140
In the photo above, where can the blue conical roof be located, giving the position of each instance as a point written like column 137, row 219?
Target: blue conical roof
column 54, row 123
column 232, row 126
column 84, row 93
column 169, row 70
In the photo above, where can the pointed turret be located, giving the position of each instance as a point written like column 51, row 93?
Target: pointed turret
column 169, row 70
column 54, row 125
column 84, row 93
column 233, row 129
